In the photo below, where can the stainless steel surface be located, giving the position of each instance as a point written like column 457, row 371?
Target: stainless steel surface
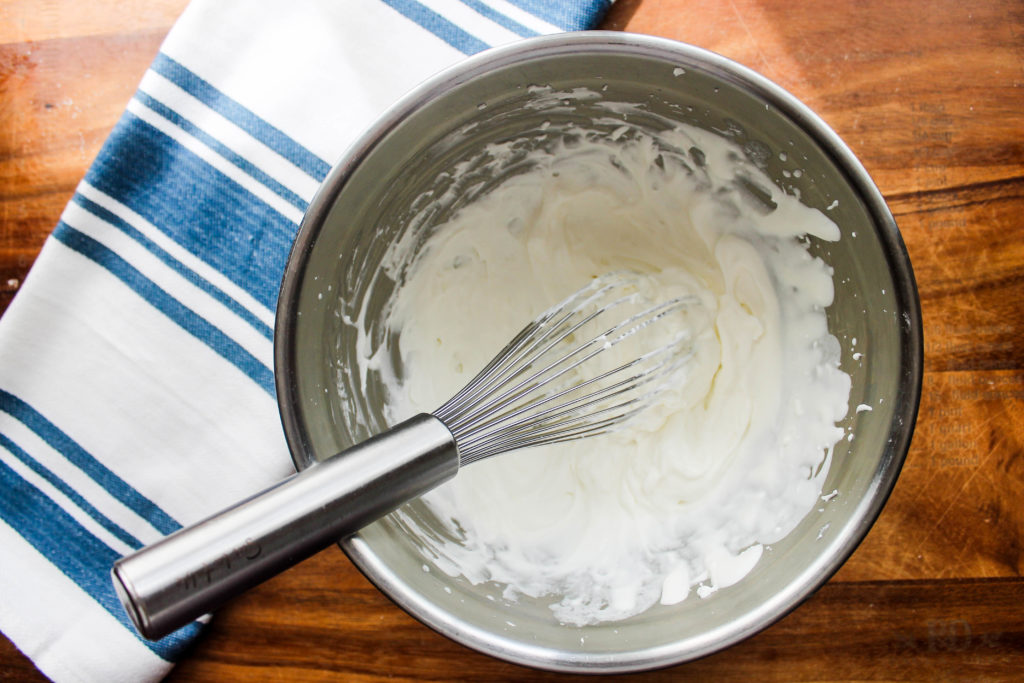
column 191, row 572
column 360, row 212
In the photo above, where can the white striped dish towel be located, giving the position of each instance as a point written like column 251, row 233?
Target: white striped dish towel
column 136, row 384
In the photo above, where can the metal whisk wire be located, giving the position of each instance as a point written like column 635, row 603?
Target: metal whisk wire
column 538, row 391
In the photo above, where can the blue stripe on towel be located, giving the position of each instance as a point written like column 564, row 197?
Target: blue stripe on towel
column 84, row 461
column 76, row 498
column 203, row 210
column 223, row 150
column 188, row 319
column 442, row 28
column 499, row 18
column 568, row 16
column 176, row 265
column 82, row 557
column 263, row 131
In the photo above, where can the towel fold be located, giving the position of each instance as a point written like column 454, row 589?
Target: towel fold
column 136, row 372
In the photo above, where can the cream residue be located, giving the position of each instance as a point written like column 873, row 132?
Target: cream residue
column 689, row 493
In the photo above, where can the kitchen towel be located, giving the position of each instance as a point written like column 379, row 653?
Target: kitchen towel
column 136, row 374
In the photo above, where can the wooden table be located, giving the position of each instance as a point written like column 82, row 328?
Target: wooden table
column 928, row 93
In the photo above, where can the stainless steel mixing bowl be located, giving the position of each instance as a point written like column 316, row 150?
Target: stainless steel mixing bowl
column 342, row 269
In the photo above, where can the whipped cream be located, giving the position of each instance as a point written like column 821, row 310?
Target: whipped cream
column 683, row 499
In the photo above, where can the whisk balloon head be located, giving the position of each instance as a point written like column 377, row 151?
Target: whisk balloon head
column 558, row 379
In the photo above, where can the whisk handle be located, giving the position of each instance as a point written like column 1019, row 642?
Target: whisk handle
column 168, row 584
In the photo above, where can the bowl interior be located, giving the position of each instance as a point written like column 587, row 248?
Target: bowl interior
column 344, row 269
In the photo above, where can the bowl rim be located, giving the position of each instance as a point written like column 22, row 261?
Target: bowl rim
column 801, row 586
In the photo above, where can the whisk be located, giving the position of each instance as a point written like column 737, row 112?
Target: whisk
column 554, row 382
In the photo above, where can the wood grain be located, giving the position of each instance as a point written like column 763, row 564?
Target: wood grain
column 923, row 630
column 928, row 93
column 67, row 70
